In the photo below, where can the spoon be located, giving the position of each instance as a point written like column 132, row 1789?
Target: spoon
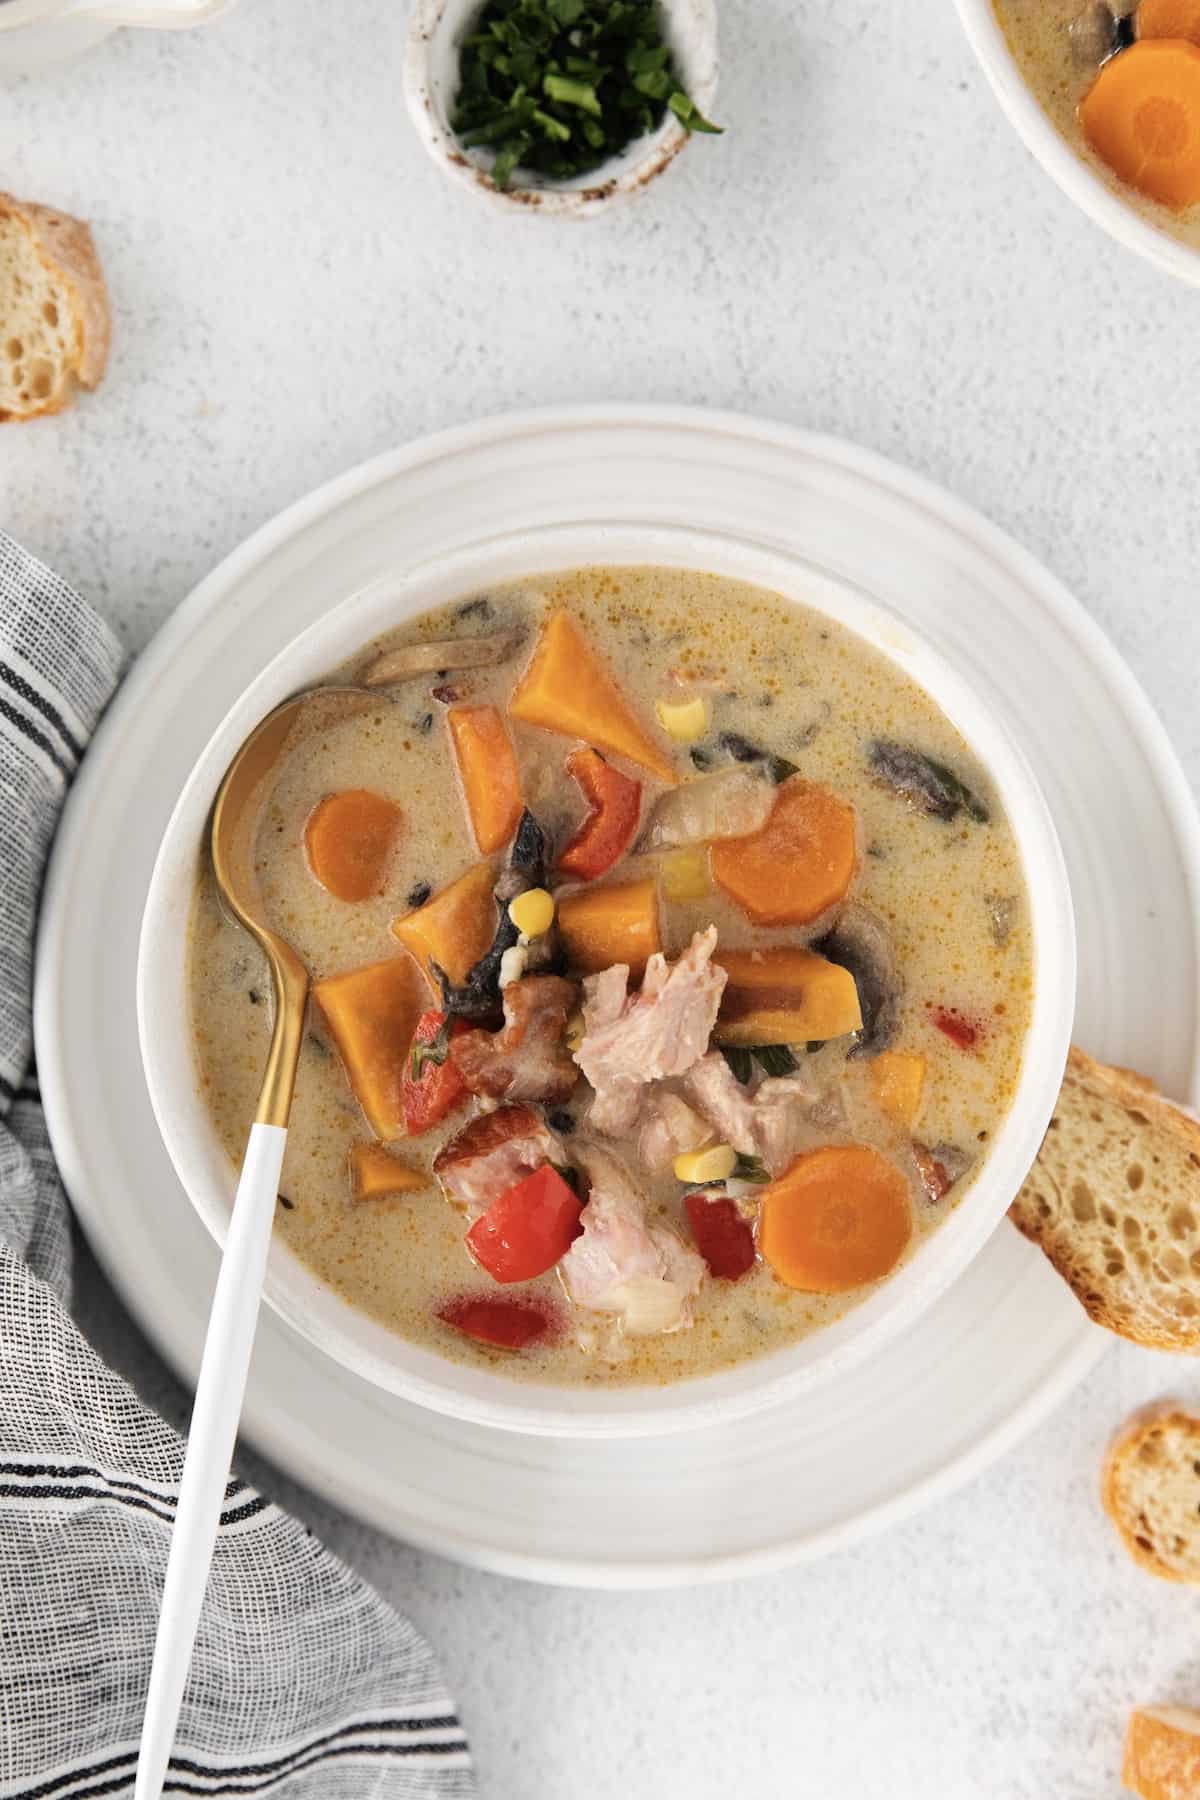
column 230, row 1336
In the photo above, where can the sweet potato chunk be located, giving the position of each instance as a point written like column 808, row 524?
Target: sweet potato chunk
column 784, row 996
column 487, row 768
column 371, row 1014
column 349, row 838
column 567, row 689
column 898, row 1084
column 454, row 928
column 617, row 923
column 375, row 1174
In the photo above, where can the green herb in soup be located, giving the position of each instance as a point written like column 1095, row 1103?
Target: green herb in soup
column 557, row 87
column 671, row 973
column 1121, row 81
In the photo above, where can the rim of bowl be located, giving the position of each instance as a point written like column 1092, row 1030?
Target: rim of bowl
column 1058, row 158
column 375, row 1352
column 692, row 30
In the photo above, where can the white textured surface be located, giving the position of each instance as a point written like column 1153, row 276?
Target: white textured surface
column 867, row 252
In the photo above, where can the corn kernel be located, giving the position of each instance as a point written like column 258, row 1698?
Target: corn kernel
column 532, row 912
column 684, row 720
column 716, row 1163
column 685, row 873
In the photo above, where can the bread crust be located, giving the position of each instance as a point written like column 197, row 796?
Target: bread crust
column 65, row 246
column 1088, row 1083
column 1162, row 1753
column 1122, row 1452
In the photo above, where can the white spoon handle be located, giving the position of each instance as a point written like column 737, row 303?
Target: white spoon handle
column 210, row 1443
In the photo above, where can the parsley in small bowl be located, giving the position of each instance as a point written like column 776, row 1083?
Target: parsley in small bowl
column 560, row 105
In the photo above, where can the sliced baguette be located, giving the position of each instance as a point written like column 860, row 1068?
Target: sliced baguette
column 1162, row 1753
column 1150, row 1487
column 54, row 320
column 1114, row 1201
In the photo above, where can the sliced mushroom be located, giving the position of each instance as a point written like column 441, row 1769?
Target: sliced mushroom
column 733, row 803
column 930, row 786
column 446, row 653
column 1092, row 34
column 862, row 943
column 478, row 997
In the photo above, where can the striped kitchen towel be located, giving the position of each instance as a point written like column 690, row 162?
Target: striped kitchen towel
column 304, row 1684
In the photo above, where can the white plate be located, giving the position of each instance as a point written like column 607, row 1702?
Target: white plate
column 994, row 1354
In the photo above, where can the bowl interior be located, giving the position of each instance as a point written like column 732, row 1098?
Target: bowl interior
column 1117, row 215
column 369, row 1348
column 435, row 41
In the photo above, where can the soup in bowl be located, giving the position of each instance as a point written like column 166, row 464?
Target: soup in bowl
column 1106, row 95
column 692, row 978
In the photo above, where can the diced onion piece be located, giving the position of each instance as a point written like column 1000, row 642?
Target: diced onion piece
column 715, row 1163
column 684, row 720
column 512, row 964
column 648, row 1305
column 733, row 803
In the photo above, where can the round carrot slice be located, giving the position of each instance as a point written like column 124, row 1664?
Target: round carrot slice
column 1141, row 115
column 838, row 1218
column 799, row 864
column 349, row 839
column 1169, row 19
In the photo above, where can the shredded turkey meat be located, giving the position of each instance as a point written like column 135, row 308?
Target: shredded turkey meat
column 669, row 1126
column 643, row 1274
column 527, row 1059
column 714, row 1089
column 775, row 1121
column 492, row 1153
column 631, row 1040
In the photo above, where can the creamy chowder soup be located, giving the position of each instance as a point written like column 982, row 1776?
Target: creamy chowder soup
column 672, row 967
column 1121, row 82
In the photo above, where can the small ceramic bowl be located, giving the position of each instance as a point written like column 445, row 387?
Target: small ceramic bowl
column 1061, row 161
column 365, row 1346
column 431, row 83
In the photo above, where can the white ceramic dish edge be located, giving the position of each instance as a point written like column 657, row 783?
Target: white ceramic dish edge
column 483, row 1398
column 342, row 1463
column 1060, row 161
column 430, row 69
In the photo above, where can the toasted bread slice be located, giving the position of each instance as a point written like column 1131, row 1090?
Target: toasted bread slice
column 54, row 320
column 1162, row 1753
column 1114, row 1201
column 1151, row 1491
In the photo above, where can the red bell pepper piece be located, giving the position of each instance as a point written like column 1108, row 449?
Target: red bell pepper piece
column 528, row 1229
column 506, row 1324
column 956, row 1026
column 723, row 1237
column 432, row 1086
column 606, row 833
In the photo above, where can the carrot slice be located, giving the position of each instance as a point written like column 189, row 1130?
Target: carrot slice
column 799, row 864
column 567, row 688
column 838, row 1217
column 617, row 923
column 454, row 928
column 487, row 767
column 1169, row 19
column 349, row 838
column 1141, row 115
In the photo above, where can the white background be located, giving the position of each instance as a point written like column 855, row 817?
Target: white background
column 868, row 252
